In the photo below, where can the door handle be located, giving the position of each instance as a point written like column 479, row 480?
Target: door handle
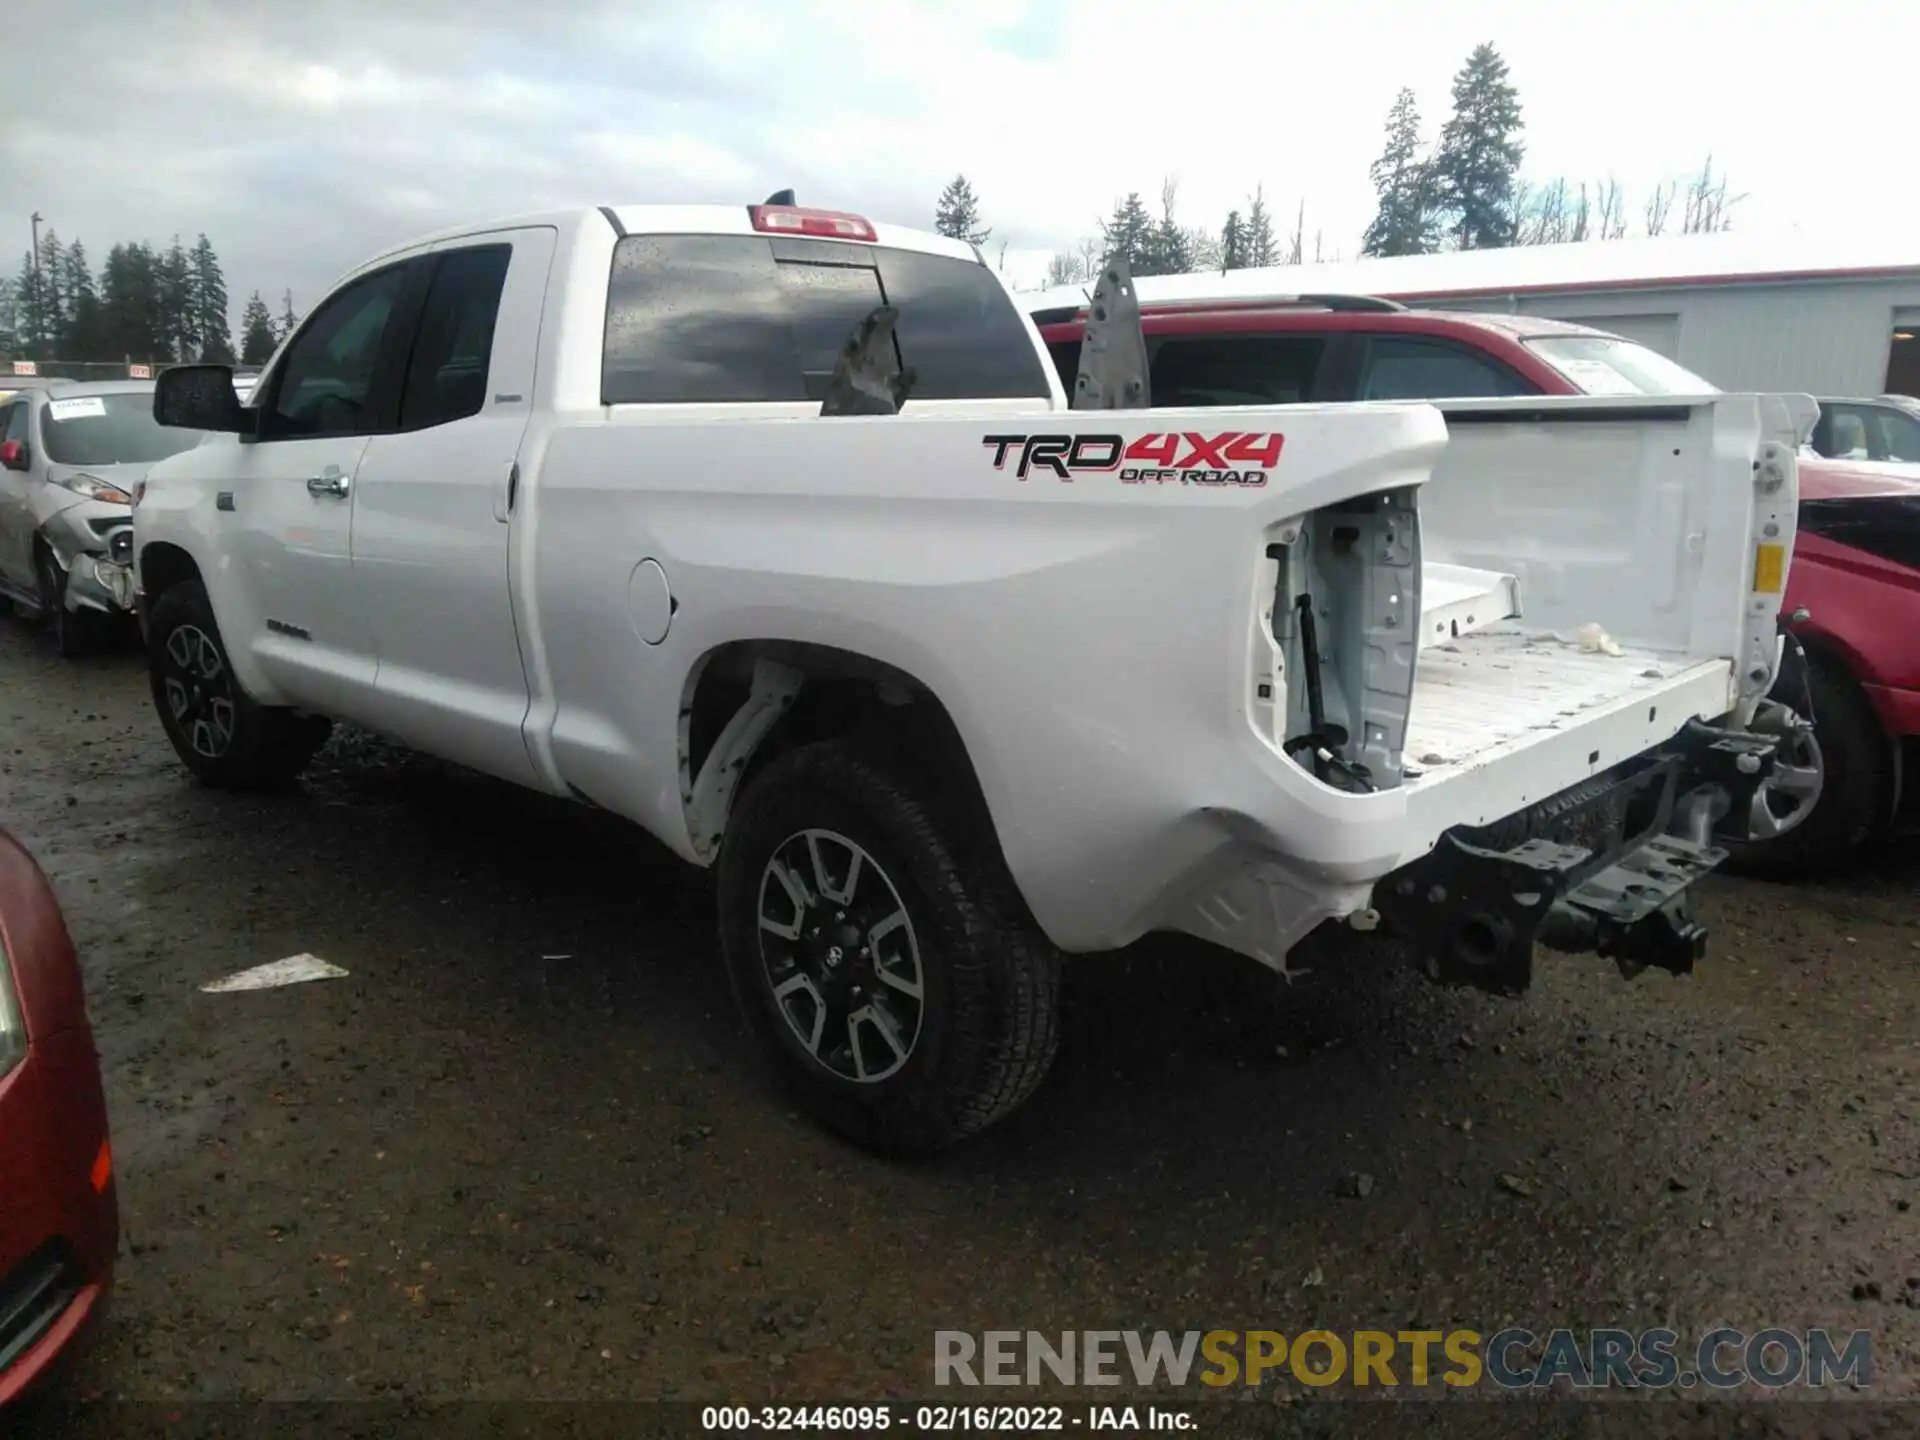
column 333, row 483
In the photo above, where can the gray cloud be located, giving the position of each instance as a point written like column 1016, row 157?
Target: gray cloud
column 304, row 135
column 302, row 138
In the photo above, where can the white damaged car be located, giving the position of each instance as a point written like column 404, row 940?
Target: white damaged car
column 70, row 454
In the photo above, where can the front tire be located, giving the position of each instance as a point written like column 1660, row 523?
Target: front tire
column 76, row 633
column 881, row 957
column 223, row 735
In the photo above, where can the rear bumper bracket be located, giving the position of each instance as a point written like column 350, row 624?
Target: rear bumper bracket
column 1602, row 868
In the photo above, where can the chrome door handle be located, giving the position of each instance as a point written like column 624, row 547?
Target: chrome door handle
column 334, row 485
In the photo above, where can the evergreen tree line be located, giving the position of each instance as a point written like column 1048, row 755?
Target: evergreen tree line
column 145, row 304
column 1461, row 190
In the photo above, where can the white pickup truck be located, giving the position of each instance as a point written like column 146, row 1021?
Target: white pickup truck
column 627, row 505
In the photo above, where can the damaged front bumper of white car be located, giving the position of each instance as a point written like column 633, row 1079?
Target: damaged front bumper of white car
column 104, row 583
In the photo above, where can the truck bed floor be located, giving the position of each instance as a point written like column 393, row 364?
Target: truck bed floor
column 1491, row 690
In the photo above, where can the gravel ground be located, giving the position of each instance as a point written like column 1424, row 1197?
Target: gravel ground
column 523, row 1150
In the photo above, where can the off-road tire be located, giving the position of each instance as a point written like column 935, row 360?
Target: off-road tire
column 264, row 745
column 1856, row 780
column 989, row 1022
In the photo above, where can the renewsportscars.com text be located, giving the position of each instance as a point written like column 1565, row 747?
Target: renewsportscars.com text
column 1511, row 1359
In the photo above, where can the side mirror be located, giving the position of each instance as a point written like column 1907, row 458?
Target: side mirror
column 15, row 455
column 199, row 397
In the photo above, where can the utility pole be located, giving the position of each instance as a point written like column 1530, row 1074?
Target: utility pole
column 39, row 317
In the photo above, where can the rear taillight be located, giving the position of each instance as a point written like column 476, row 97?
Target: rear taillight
column 798, row 220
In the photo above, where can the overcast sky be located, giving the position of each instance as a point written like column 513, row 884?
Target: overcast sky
column 301, row 135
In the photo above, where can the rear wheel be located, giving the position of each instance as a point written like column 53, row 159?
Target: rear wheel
column 224, row 736
column 880, row 956
column 1829, row 788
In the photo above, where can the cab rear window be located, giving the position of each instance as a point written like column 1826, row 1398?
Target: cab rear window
column 750, row 318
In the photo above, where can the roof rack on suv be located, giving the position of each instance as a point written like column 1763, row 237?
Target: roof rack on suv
column 1370, row 304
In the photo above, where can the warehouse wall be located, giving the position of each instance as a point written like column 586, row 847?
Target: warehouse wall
column 1824, row 337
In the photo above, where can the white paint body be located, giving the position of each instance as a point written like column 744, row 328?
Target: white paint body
column 1099, row 646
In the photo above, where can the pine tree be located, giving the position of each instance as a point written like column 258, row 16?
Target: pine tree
column 174, row 318
column 43, row 309
column 130, row 303
column 85, row 337
column 1261, row 247
column 1168, row 250
column 1130, row 233
column 26, row 310
column 210, row 323
column 1404, row 223
column 957, row 213
column 288, row 320
column 1480, row 153
column 258, row 339
column 1233, row 243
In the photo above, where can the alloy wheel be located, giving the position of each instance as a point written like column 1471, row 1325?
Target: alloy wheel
column 199, row 690
column 841, row 957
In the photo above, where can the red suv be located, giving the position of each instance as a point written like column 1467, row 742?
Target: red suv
column 1856, row 572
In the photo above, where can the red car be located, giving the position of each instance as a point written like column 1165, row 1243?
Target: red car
column 59, row 1215
column 1856, row 569
column 1856, row 574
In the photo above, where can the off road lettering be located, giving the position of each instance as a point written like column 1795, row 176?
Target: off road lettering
column 1168, row 475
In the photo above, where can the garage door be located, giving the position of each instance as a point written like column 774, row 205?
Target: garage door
column 1656, row 332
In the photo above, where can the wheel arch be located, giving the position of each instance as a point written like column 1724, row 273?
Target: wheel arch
column 747, row 702
column 164, row 565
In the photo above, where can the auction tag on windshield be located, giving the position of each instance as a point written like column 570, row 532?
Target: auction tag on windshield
column 80, row 407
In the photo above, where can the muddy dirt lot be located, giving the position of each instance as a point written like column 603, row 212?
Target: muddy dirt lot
column 523, row 1150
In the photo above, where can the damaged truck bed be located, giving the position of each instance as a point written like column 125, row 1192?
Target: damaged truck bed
column 1549, row 653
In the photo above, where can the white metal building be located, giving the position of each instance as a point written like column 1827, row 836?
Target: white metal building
column 1787, row 312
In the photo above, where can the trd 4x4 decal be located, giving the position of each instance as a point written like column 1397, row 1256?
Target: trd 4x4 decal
column 1232, row 457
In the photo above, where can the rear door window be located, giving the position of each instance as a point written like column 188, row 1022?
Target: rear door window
column 1403, row 368
column 748, row 318
column 1238, row 370
column 447, row 373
